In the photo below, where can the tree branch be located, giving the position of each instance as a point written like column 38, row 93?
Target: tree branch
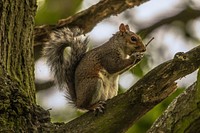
column 184, row 16
column 125, row 109
column 88, row 18
column 183, row 114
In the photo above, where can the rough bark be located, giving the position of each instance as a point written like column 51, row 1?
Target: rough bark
column 182, row 115
column 18, row 110
column 125, row 109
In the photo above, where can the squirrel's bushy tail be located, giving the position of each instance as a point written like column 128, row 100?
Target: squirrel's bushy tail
column 63, row 67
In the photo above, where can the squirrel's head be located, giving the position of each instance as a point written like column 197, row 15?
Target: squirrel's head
column 133, row 41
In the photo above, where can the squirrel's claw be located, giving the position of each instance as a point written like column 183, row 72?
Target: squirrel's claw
column 98, row 107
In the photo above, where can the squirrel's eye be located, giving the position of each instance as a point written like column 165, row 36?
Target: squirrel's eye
column 133, row 39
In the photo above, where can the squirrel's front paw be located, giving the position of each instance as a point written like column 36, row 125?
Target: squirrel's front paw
column 138, row 55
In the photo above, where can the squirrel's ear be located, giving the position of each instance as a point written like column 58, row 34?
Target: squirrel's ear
column 122, row 28
column 127, row 27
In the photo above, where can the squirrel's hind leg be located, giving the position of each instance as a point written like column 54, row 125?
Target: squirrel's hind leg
column 91, row 94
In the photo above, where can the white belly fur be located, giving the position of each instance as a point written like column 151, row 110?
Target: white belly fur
column 109, row 87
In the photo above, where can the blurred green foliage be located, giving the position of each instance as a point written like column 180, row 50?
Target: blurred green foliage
column 50, row 11
column 138, row 70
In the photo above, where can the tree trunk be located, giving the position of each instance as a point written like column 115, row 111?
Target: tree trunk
column 18, row 110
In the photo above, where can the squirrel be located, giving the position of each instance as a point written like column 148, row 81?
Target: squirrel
column 91, row 77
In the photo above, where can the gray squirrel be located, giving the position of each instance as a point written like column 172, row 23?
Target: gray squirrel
column 91, row 77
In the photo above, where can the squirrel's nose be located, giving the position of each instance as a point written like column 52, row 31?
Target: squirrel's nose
column 143, row 49
column 140, row 48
